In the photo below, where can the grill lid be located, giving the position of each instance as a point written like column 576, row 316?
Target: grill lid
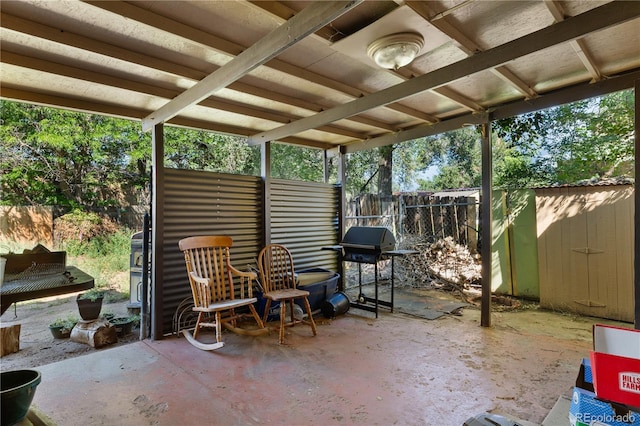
column 374, row 238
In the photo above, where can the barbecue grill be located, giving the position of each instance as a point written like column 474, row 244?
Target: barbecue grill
column 369, row 244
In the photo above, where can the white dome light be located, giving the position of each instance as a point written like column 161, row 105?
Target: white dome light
column 395, row 50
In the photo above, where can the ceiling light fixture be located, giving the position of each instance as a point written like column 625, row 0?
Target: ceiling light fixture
column 396, row 50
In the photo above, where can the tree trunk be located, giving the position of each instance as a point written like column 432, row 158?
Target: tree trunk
column 385, row 168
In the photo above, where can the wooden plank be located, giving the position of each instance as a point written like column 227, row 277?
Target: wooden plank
column 574, row 230
column 601, row 263
column 556, row 288
column 295, row 29
column 623, row 218
column 9, row 339
column 541, row 219
column 578, row 26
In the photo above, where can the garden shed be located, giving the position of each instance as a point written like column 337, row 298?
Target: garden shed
column 337, row 76
column 585, row 249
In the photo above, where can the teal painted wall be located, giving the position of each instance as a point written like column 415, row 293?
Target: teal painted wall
column 515, row 246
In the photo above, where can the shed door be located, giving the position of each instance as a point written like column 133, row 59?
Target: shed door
column 586, row 242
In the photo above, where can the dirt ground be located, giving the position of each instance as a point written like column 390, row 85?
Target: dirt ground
column 37, row 345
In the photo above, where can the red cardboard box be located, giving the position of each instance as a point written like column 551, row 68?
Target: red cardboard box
column 615, row 363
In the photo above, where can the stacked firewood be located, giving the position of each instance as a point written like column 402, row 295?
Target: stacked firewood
column 442, row 263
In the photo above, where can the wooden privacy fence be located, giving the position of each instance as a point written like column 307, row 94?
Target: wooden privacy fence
column 29, row 225
column 26, row 224
column 432, row 216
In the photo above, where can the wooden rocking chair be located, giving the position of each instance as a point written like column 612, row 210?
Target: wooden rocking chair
column 278, row 279
column 215, row 297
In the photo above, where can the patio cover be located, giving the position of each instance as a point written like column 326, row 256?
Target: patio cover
column 297, row 72
column 130, row 59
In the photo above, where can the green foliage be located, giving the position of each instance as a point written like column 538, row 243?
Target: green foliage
column 63, row 158
column 77, row 229
column 96, row 245
column 408, row 159
column 67, row 323
column 92, row 294
column 133, row 319
column 296, row 163
column 413, row 157
column 361, row 168
column 200, row 150
column 592, row 138
column 459, row 158
column 514, row 170
column 70, row 159
column 106, row 258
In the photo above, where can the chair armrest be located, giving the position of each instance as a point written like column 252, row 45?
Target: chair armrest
column 250, row 275
column 246, row 281
column 200, row 288
column 199, row 280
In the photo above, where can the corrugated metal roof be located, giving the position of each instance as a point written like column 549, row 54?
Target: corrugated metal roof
column 131, row 59
column 457, row 193
column 594, row 182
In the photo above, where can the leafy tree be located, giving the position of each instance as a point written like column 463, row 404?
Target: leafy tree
column 64, row 158
column 361, row 169
column 568, row 143
column 200, row 150
column 593, row 138
column 385, row 168
column 459, row 161
column 513, row 170
column 403, row 160
column 413, row 157
column 296, row 163
column 72, row 159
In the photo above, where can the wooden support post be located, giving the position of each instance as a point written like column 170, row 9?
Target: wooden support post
column 636, row 197
column 487, row 235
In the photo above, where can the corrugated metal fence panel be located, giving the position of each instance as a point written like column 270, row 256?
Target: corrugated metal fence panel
column 205, row 203
column 304, row 217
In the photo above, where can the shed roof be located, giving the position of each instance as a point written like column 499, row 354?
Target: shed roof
column 298, row 72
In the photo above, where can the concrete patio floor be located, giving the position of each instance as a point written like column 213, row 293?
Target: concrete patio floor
column 394, row 370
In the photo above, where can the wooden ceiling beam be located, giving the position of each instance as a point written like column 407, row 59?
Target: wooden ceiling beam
column 557, row 97
column 21, row 95
column 221, row 45
column 43, row 31
column 281, row 38
column 281, row 10
column 10, row 57
column 594, row 20
column 578, row 45
column 458, row 98
column 468, row 46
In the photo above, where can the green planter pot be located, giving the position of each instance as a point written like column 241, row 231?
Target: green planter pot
column 60, row 332
column 122, row 325
column 17, row 389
